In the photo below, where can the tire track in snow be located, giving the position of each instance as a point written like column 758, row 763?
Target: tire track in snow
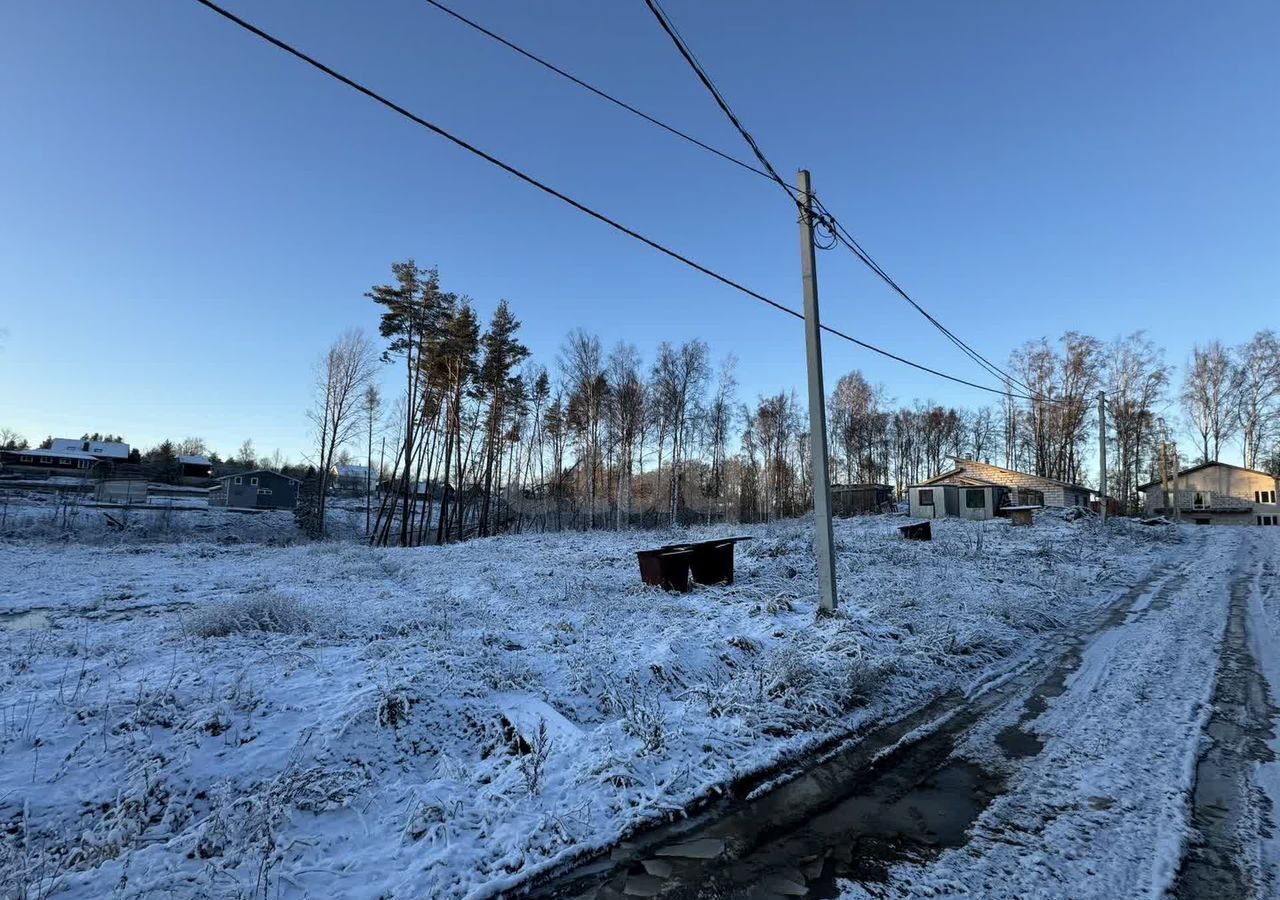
column 1231, row 813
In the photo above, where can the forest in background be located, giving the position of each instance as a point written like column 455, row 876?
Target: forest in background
column 474, row 437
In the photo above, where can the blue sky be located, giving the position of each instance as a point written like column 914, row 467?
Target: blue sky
column 191, row 216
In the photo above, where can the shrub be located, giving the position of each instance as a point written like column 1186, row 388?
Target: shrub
column 264, row 612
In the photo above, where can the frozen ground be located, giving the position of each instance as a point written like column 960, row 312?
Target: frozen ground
column 222, row 717
column 1145, row 766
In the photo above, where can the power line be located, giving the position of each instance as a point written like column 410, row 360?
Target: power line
column 687, row 53
column 838, row 232
column 599, row 92
column 529, row 179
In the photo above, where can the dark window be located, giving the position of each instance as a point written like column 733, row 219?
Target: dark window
column 975, row 499
column 24, row 459
column 1257, row 496
column 1201, row 500
column 262, row 491
column 237, row 479
column 253, row 481
column 1259, row 518
column 926, row 496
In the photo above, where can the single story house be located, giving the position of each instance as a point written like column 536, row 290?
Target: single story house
column 972, row 499
column 1024, row 488
column 855, row 499
column 195, row 469
column 52, row 462
column 110, row 451
column 1216, row 493
column 259, row 489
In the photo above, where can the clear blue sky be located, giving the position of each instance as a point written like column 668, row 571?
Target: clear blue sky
column 190, row 216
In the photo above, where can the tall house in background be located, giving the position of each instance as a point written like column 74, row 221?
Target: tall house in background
column 1216, row 494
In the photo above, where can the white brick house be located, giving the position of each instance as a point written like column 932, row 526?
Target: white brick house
column 1216, row 494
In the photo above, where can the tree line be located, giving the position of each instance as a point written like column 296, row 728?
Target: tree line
column 477, row 438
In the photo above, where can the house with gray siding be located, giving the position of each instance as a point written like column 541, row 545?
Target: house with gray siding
column 259, row 489
column 1216, row 493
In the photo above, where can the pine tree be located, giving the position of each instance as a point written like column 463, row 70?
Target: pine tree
column 502, row 353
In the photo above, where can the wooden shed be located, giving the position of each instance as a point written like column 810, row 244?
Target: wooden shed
column 860, row 499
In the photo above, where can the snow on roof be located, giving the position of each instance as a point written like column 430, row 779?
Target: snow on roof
column 75, row 453
column 109, row 449
column 194, row 460
column 350, row 471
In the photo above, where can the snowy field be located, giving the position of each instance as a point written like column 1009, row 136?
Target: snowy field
column 225, row 714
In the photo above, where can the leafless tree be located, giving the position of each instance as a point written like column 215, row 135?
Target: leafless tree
column 583, row 371
column 342, row 375
column 1136, row 377
column 679, row 377
column 1256, row 387
column 1207, row 398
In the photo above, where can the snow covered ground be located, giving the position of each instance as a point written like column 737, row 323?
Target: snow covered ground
column 226, row 715
column 1104, row 801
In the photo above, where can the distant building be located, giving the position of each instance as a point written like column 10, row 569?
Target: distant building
column 259, row 489
column 195, row 469
column 76, row 463
column 857, row 499
column 111, row 451
column 1216, row 494
column 353, row 479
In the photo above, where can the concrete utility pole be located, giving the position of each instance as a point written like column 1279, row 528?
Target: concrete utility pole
column 1102, row 453
column 1177, row 507
column 823, row 539
column 1164, row 476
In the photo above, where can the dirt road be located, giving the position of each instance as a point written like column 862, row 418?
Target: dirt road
column 1136, row 760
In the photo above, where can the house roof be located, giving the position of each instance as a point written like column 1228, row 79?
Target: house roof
column 351, row 471
column 194, row 460
column 258, row 472
column 97, row 449
column 961, row 464
column 1205, row 465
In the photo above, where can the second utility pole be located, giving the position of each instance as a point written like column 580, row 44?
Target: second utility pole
column 823, row 538
column 1102, row 454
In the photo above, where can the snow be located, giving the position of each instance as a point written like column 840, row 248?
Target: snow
column 212, row 708
column 1103, row 810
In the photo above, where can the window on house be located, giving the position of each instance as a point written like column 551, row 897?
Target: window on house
column 24, row 459
column 1257, row 496
column 975, row 499
column 238, row 479
column 926, row 497
column 1200, row 500
column 253, row 481
column 262, row 491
